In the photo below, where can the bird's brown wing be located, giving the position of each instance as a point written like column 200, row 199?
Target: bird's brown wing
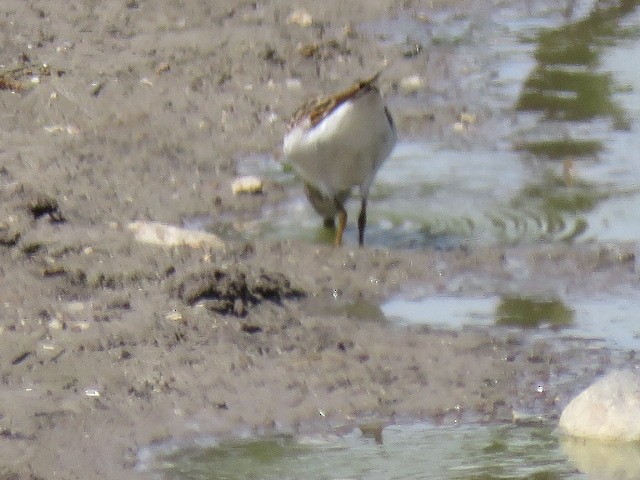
column 318, row 109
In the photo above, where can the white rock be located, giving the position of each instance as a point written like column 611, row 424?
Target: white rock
column 412, row 84
column 174, row 316
column 170, row 236
column 293, row 83
column 300, row 17
column 249, row 184
column 608, row 410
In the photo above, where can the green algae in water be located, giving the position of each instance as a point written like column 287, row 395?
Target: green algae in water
column 533, row 313
column 259, row 458
column 364, row 310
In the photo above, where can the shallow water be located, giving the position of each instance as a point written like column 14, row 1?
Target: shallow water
column 397, row 452
column 560, row 166
column 563, row 167
column 531, row 451
column 607, row 321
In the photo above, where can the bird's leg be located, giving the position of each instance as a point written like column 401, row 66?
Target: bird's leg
column 362, row 221
column 342, row 221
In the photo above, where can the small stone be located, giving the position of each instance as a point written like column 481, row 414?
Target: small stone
column 308, row 50
column 468, row 118
column 56, row 324
column 412, row 84
column 459, row 127
column 174, row 316
column 92, row 392
column 301, row 18
column 293, row 83
column 163, row 67
column 79, row 326
column 249, row 184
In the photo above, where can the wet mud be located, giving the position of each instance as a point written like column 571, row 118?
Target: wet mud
column 108, row 344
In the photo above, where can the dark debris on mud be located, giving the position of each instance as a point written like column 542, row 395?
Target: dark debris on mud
column 21, row 206
column 232, row 291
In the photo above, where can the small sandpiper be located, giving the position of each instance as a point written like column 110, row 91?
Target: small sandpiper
column 337, row 143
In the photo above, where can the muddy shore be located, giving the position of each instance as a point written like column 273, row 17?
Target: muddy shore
column 108, row 344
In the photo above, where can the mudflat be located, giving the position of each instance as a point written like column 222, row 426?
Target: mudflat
column 144, row 108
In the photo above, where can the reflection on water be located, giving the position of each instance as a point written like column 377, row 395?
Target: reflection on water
column 583, row 120
column 230, row 460
column 611, row 321
column 442, row 311
column 566, row 84
column 532, row 313
column 603, row 460
column 556, row 196
column 562, row 147
column 403, row 452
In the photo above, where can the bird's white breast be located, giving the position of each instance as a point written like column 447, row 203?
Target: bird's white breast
column 346, row 148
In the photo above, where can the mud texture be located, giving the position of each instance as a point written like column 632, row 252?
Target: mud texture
column 145, row 107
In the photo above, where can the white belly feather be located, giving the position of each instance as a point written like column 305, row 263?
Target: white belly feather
column 346, row 148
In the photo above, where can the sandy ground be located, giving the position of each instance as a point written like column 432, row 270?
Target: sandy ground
column 108, row 345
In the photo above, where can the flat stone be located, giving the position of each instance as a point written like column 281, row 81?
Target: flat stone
column 608, row 410
column 170, row 236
